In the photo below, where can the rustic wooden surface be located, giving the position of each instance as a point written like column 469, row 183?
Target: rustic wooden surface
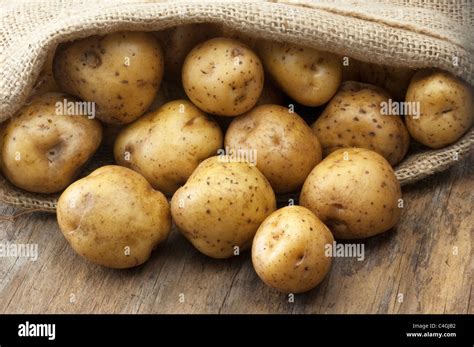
column 423, row 266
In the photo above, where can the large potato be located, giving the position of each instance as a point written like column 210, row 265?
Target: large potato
column 113, row 217
column 223, row 77
column 446, row 108
column 354, row 118
column 289, row 250
column 286, row 148
column 178, row 41
column 221, row 206
column 354, row 192
column 43, row 150
column 120, row 72
column 395, row 80
column 308, row 76
column 166, row 145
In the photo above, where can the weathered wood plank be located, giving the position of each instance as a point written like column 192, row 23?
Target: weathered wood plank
column 424, row 265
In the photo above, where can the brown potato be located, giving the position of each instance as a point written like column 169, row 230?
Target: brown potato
column 355, row 192
column 167, row 145
column 221, row 206
column 223, row 77
column 446, row 108
column 394, row 80
column 353, row 118
column 308, row 76
column 120, row 72
column 45, row 82
column 289, row 250
column 286, row 148
column 113, row 217
column 43, row 150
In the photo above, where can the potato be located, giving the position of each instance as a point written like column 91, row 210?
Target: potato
column 221, row 206
column 44, row 150
column 354, row 192
column 289, row 250
column 286, row 148
column 394, row 80
column 223, row 77
column 45, row 82
column 308, row 76
column 167, row 145
column 446, row 108
column 178, row 41
column 120, row 72
column 353, row 118
column 113, row 217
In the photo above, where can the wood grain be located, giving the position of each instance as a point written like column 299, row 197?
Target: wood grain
column 424, row 265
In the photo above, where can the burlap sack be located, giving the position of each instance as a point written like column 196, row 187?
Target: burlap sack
column 411, row 33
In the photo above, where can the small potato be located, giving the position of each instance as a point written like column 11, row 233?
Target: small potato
column 221, row 206
column 394, row 80
column 43, row 150
column 113, row 217
column 308, row 76
column 353, row 118
column 446, row 108
column 289, row 250
column 223, row 77
column 178, row 41
column 167, row 145
column 45, row 82
column 120, row 72
column 286, row 148
column 355, row 192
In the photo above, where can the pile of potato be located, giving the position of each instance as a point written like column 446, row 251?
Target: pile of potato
column 205, row 116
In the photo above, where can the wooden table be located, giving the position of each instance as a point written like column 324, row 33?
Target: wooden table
column 423, row 266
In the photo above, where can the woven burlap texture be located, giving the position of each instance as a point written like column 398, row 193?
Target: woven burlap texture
column 410, row 33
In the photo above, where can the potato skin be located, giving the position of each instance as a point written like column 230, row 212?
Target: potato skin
column 353, row 118
column 223, row 77
column 167, row 145
column 394, row 80
column 111, row 209
column 222, row 205
column 45, row 82
column 287, row 150
column 120, row 72
column 356, row 198
column 308, row 76
column 52, row 148
column 288, row 251
column 446, row 108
